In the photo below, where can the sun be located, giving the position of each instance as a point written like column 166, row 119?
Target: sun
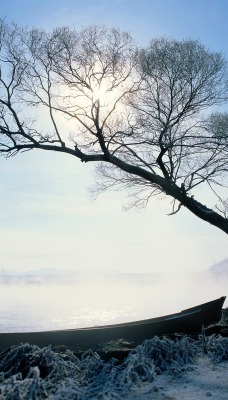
column 103, row 93
column 104, row 86
column 99, row 94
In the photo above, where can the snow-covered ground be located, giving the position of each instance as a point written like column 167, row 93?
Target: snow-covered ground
column 202, row 380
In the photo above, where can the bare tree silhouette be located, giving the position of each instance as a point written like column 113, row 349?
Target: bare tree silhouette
column 143, row 115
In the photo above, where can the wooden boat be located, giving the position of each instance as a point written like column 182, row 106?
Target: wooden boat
column 189, row 321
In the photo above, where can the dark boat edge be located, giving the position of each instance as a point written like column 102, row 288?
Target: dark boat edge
column 187, row 321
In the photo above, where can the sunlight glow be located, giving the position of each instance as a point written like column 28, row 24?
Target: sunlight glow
column 100, row 93
column 105, row 93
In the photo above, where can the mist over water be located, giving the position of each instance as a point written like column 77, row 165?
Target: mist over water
column 90, row 300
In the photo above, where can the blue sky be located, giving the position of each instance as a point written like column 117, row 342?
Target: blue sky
column 47, row 216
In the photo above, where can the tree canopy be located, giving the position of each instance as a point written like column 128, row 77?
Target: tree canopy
column 146, row 116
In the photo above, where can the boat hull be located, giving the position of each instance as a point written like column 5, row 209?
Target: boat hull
column 188, row 321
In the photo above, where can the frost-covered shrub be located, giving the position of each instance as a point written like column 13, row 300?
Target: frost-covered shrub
column 137, row 368
column 20, row 359
column 217, row 347
column 63, row 376
column 28, row 372
column 32, row 387
column 168, row 354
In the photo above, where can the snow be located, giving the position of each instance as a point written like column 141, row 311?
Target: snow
column 159, row 368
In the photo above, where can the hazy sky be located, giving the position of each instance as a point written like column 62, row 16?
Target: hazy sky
column 47, row 217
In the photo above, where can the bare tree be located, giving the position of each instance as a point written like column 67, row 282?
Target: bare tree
column 141, row 114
